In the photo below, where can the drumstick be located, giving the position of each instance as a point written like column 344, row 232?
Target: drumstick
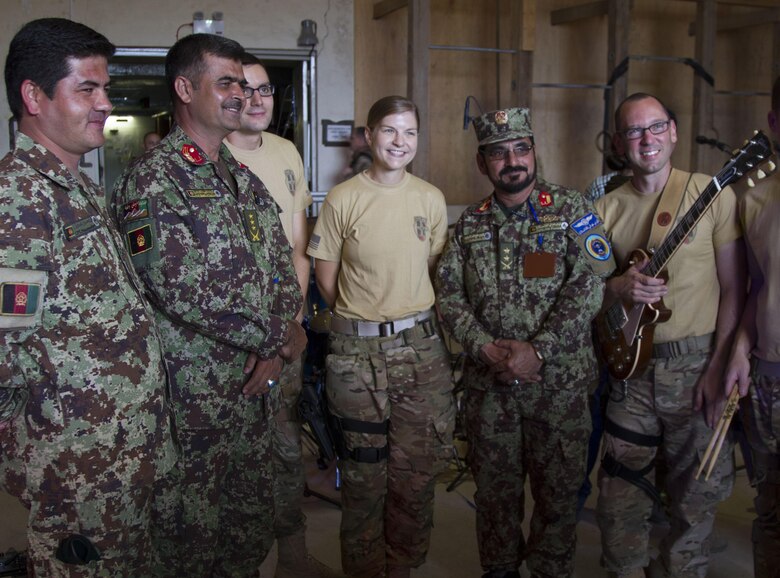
column 719, row 435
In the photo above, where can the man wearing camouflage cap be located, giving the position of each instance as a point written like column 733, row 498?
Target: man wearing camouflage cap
column 84, row 422
column 205, row 237
column 518, row 285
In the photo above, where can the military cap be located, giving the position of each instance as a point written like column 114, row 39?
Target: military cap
column 501, row 125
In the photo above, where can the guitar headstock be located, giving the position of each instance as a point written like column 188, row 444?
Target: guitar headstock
column 753, row 160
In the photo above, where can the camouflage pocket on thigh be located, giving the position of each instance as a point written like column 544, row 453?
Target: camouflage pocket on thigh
column 443, row 428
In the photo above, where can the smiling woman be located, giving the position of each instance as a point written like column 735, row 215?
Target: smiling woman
column 377, row 235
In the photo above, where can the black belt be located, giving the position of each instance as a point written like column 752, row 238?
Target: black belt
column 683, row 346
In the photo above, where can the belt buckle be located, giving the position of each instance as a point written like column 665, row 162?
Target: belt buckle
column 386, row 329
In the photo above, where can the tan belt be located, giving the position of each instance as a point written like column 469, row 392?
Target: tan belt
column 377, row 329
column 768, row 368
column 683, row 346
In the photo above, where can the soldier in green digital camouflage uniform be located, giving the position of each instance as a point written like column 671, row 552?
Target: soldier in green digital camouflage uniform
column 84, row 421
column 518, row 286
column 206, row 240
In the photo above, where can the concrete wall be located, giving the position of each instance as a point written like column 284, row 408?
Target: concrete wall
column 254, row 23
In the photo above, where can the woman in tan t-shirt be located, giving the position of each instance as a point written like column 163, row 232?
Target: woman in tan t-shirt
column 388, row 375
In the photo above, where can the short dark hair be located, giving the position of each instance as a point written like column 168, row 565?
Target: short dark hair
column 390, row 105
column 40, row 51
column 187, row 57
column 641, row 96
column 776, row 95
column 249, row 59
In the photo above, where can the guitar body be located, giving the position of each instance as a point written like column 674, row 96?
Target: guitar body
column 625, row 332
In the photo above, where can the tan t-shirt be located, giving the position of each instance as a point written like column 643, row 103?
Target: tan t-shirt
column 280, row 167
column 759, row 212
column 383, row 236
column 694, row 291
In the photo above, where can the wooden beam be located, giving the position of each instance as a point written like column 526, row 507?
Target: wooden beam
column 619, row 27
column 385, row 7
column 748, row 20
column 574, row 13
column 521, row 11
column 418, row 67
column 703, row 92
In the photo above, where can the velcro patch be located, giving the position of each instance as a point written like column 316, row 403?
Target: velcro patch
column 19, row 298
column 135, row 210
column 597, row 246
column 252, row 227
column 314, row 242
column 140, row 240
column 203, row 193
column 82, row 227
column 476, row 237
column 585, row 223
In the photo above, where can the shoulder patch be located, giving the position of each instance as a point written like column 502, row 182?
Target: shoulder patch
column 140, row 240
column 597, row 247
column 585, row 223
column 289, row 178
column 21, row 297
column 135, row 210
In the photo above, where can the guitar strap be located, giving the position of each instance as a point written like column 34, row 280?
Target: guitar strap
column 668, row 207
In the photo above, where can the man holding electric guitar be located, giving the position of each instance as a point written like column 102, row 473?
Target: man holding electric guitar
column 689, row 227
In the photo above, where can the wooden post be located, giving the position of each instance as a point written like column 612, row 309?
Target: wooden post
column 418, row 65
column 619, row 28
column 523, row 18
column 703, row 92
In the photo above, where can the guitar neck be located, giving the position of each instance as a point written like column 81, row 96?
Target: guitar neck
column 662, row 254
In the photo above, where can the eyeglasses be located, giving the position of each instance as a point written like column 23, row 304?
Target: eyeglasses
column 262, row 90
column 637, row 132
column 501, row 154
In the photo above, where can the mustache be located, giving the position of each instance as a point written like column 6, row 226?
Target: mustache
column 233, row 103
column 512, row 170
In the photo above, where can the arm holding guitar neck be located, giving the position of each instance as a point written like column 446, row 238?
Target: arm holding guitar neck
column 732, row 277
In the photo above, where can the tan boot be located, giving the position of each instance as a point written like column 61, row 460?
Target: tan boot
column 398, row 571
column 294, row 560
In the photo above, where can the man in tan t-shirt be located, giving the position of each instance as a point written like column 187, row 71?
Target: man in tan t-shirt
column 670, row 403
column 277, row 162
column 756, row 356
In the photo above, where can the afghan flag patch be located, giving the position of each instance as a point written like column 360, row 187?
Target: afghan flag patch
column 140, row 240
column 19, row 298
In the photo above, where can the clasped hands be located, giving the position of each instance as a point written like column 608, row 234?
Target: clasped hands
column 263, row 371
column 511, row 361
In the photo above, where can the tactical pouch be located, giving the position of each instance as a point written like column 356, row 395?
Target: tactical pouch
column 363, row 455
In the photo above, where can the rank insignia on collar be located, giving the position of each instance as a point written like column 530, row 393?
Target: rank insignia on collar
column 484, row 206
column 545, row 199
column 242, row 166
column 190, row 153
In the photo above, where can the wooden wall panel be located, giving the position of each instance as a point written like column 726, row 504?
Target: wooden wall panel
column 566, row 122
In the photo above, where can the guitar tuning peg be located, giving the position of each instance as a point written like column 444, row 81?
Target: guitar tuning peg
column 751, row 183
column 771, row 166
column 747, row 142
column 755, row 132
column 735, row 152
column 761, row 174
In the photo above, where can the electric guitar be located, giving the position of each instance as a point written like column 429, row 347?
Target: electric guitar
column 625, row 331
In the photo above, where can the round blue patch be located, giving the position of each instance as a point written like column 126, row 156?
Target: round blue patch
column 598, row 247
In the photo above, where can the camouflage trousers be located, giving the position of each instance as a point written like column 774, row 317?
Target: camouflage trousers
column 508, row 444
column 659, row 402
column 289, row 478
column 213, row 514
column 761, row 420
column 387, row 507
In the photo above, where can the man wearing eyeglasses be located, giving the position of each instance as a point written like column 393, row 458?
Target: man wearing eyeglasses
column 672, row 401
column 204, row 235
column 518, row 285
column 277, row 162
